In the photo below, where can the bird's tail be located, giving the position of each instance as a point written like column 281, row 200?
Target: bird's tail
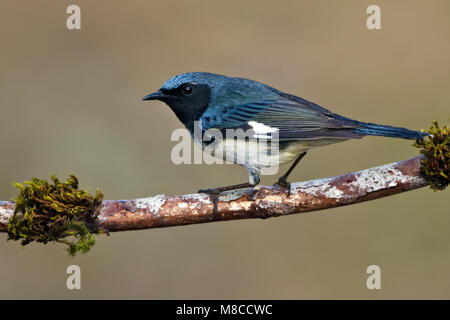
column 372, row 129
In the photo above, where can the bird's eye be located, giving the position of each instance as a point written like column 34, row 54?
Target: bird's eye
column 187, row 90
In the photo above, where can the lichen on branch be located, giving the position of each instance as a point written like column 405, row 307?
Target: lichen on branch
column 56, row 211
column 436, row 149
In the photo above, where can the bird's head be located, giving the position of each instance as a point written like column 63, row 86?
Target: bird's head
column 190, row 94
column 187, row 94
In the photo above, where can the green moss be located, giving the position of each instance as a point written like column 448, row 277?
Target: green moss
column 435, row 148
column 56, row 211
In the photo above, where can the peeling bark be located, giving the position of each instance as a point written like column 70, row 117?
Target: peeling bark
column 260, row 202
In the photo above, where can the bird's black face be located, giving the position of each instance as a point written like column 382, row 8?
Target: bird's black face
column 188, row 101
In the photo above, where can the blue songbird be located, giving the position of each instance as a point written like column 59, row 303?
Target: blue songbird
column 207, row 101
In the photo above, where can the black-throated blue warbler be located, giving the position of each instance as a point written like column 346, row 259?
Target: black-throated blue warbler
column 221, row 102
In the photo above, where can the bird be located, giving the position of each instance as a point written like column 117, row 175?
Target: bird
column 205, row 101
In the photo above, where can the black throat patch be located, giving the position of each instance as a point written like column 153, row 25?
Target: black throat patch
column 188, row 108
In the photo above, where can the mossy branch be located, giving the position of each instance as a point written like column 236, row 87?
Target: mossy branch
column 59, row 211
column 436, row 149
column 52, row 211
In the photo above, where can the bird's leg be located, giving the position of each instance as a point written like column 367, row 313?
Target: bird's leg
column 215, row 192
column 282, row 181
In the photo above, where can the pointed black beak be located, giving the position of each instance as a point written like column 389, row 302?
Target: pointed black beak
column 154, row 96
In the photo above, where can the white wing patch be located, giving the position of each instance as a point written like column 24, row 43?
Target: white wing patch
column 261, row 130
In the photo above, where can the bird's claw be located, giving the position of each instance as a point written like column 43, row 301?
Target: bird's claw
column 209, row 191
column 214, row 197
column 284, row 184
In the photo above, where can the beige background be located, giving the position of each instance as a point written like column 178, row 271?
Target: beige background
column 71, row 103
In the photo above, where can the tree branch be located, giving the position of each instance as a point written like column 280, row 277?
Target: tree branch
column 261, row 202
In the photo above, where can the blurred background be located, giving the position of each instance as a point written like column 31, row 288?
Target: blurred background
column 71, row 103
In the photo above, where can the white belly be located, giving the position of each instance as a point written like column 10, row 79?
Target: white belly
column 258, row 155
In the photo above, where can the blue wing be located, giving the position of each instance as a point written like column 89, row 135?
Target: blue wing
column 294, row 118
column 232, row 116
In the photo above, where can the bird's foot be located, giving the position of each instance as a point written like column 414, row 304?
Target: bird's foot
column 284, row 184
column 210, row 190
column 215, row 193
